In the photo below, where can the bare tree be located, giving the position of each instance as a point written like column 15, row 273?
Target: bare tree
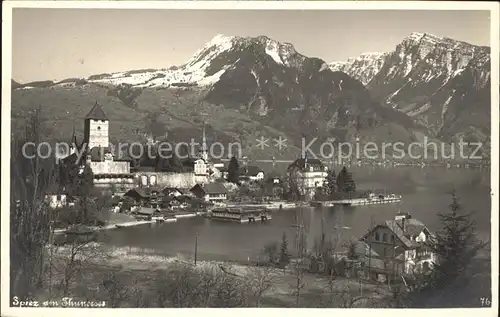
column 260, row 279
column 117, row 291
column 30, row 219
column 76, row 257
column 301, row 249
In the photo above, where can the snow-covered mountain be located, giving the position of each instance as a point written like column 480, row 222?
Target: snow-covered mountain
column 438, row 82
column 363, row 68
column 427, row 86
column 199, row 70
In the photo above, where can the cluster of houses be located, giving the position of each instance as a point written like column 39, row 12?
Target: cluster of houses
column 200, row 174
column 393, row 248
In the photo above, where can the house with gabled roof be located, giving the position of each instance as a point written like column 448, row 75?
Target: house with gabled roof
column 251, row 173
column 402, row 245
column 211, row 192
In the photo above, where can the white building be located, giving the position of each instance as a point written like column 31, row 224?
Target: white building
column 308, row 174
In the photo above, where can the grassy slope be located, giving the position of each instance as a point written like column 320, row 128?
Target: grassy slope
column 176, row 112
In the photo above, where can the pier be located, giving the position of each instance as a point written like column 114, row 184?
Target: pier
column 358, row 201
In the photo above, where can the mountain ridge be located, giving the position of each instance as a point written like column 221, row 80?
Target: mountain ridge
column 264, row 83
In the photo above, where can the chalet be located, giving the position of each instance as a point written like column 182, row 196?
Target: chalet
column 401, row 245
column 144, row 196
column 251, row 173
column 212, row 192
column 180, row 201
column 169, row 191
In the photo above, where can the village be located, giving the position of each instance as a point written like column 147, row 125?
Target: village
column 199, row 186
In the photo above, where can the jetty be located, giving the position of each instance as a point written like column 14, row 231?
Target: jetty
column 275, row 205
column 134, row 223
column 370, row 200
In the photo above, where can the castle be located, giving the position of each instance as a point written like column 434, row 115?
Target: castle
column 113, row 169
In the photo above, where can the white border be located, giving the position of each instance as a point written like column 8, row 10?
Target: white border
column 239, row 5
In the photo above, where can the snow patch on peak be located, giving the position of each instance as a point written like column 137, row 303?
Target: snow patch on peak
column 272, row 49
column 220, row 39
column 371, row 54
column 323, row 67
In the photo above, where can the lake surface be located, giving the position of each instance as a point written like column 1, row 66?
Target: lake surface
column 425, row 193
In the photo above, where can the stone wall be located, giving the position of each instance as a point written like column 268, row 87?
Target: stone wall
column 162, row 179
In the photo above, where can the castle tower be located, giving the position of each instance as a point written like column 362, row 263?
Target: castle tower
column 96, row 132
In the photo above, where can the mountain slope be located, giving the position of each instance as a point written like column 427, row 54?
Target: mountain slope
column 438, row 82
column 244, row 89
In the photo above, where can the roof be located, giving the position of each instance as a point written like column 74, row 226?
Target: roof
column 398, row 231
column 413, row 226
column 168, row 190
column 214, row 188
column 211, row 188
column 142, row 192
column 301, row 163
column 184, row 191
column 368, row 255
column 146, row 211
column 250, row 170
column 96, row 113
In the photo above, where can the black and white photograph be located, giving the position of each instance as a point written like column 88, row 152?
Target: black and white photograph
column 249, row 155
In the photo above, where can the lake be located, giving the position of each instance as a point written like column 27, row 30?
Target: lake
column 425, row 191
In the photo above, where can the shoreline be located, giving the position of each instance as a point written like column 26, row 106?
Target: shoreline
column 117, row 225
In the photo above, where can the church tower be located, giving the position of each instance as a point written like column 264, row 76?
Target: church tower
column 96, row 132
column 204, row 149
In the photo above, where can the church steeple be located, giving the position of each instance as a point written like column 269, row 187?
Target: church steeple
column 204, row 148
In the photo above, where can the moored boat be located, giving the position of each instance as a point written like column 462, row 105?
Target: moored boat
column 241, row 215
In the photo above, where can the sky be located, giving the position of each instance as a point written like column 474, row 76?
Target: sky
column 54, row 44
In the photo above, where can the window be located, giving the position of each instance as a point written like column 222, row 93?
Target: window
column 98, row 128
column 384, row 237
column 392, row 238
column 152, row 179
column 58, row 197
column 377, row 237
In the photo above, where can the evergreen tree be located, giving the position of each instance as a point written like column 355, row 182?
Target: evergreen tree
column 455, row 245
column 331, row 183
column 284, row 256
column 233, row 171
column 345, row 182
column 340, row 179
column 175, row 164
